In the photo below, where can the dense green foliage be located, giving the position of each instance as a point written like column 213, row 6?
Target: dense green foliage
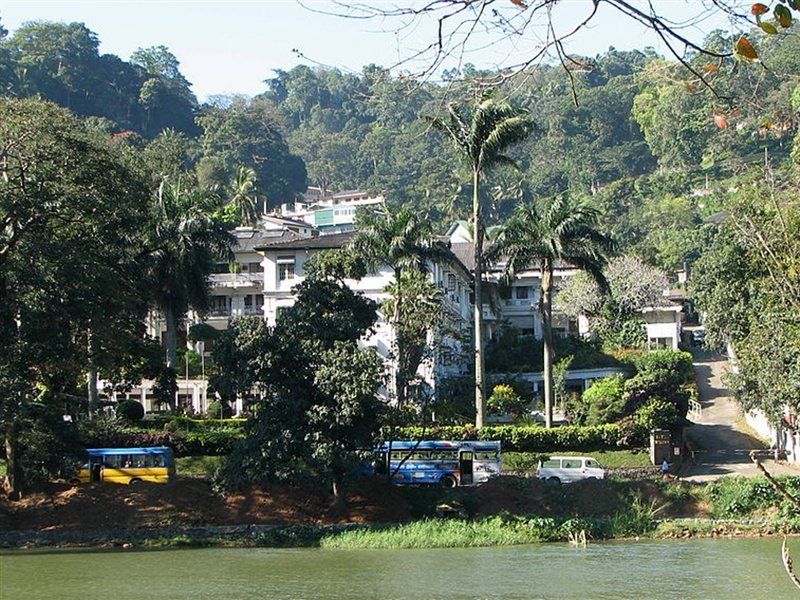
column 532, row 439
column 604, row 400
column 504, row 400
column 71, row 232
column 130, row 410
column 313, row 391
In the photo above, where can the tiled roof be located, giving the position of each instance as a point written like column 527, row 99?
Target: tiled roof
column 465, row 254
column 320, row 242
column 246, row 240
column 279, row 220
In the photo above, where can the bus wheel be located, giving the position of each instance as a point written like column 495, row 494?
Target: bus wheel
column 448, row 481
column 134, row 482
column 553, row 481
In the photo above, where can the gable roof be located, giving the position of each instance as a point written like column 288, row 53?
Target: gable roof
column 320, row 242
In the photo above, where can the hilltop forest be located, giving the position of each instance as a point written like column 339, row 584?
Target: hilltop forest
column 684, row 171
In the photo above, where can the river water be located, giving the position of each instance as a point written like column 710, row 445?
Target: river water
column 747, row 568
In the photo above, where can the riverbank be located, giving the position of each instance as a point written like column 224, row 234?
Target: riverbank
column 428, row 533
column 505, row 511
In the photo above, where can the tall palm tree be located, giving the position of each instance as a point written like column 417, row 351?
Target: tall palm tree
column 186, row 243
column 404, row 240
column 244, row 196
column 562, row 229
column 482, row 140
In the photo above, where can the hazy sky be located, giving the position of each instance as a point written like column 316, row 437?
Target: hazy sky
column 231, row 47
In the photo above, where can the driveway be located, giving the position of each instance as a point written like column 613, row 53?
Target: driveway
column 723, row 445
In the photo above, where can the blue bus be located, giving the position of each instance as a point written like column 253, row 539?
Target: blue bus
column 444, row 463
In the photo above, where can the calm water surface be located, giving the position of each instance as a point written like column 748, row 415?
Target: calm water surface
column 726, row 569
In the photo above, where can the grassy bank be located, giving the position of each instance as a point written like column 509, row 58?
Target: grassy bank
column 198, row 466
column 500, row 530
column 505, row 511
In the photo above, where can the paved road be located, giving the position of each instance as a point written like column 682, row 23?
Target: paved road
column 723, row 447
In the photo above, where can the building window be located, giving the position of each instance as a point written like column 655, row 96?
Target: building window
column 451, row 282
column 522, row 292
column 220, row 305
column 255, row 267
column 285, row 268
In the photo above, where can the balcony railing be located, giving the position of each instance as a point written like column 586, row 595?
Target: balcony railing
column 236, row 280
column 519, row 302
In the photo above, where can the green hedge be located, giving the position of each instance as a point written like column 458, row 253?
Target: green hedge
column 532, row 439
column 174, row 423
column 214, row 443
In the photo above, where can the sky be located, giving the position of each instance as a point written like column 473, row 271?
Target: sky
column 232, row 46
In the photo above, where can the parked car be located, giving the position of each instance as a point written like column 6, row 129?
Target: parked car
column 568, row 469
column 698, row 337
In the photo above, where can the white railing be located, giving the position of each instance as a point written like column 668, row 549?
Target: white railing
column 695, row 410
column 237, row 279
column 519, row 302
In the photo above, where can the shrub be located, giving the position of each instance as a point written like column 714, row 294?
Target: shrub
column 630, row 334
column 740, row 496
column 104, row 433
column 630, row 434
column 648, row 384
column 530, row 439
column 604, row 400
column 219, row 410
column 504, row 400
column 130, row 410
column 656, row 414
column 677, row 363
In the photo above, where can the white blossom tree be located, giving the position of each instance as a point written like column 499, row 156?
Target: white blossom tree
column 633, row 285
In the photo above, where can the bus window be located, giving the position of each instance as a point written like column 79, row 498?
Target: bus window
column 138, row 461
column 486, row 456
column 112, row 461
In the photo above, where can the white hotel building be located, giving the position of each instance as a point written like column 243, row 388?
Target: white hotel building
column 268, row 263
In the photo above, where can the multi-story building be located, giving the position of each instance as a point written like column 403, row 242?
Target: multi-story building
column 333, row 213
column 269, row 262
column 284, row 262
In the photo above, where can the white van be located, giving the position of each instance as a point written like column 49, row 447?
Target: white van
column 568, row 469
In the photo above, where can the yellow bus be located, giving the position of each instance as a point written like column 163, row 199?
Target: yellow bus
column 127, row 465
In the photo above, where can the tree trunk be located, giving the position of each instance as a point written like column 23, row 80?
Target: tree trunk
column 400, row 376
column 172, row 356
column 13, row 475
column 477, row 233
column 546, row 310
column 169, row 317
column 91, row 375
column 340, row 506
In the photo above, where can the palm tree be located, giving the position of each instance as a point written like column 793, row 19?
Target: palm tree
column 244, row 196
column 404, row 240
column 187, row 241
column 482, row 141
column 562, row 229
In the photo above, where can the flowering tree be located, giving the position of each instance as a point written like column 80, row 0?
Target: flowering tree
column 633, row 285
